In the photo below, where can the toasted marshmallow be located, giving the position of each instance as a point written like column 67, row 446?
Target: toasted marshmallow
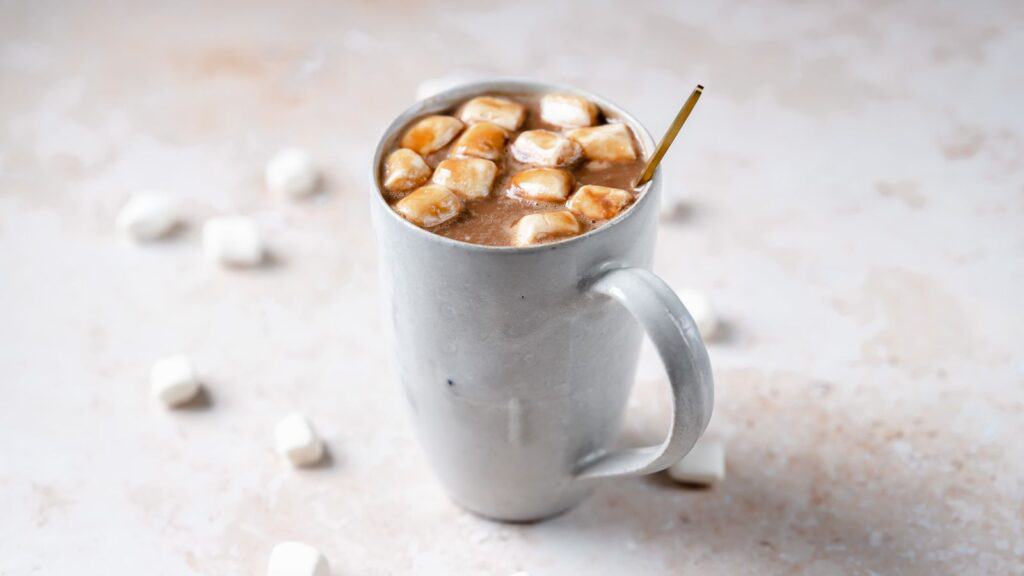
column 429, row 206
column 431, row 134
column 405, row 170
column 536, row 228
column 567, row 110
column 598, row 202
column 501, row 111
column 704, row 465
column 545, row 148
column 607, row 143
column 542, row 184
column 482, row 140
column 470, row 178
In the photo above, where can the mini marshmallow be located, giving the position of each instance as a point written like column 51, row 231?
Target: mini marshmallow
column 568, row 110
column 608, row 143
column 703, row 313
column 232, row 241
column 173, row 380
column 297, row 559
column 599, row 202
column 405, row 170
column 147, row 216
column 542, row 184
column 481, row 140
column 704, row 465
column 545, row 148
column 501, row 111
column 297, row 441
column 470, row 178
column 429, row 206
column 292, row 174
column 431, row 134
column 537, row 228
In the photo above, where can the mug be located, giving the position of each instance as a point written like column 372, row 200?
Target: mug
column 517, row 362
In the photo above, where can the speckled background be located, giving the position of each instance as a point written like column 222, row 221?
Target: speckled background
column 852, row 192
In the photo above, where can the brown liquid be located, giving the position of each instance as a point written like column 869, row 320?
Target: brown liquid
column 489, row 220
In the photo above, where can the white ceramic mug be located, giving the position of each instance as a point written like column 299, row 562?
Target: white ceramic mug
column 517, row 362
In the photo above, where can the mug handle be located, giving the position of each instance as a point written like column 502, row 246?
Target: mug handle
column 675, row 335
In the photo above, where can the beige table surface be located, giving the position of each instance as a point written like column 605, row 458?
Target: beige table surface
column 853, row 185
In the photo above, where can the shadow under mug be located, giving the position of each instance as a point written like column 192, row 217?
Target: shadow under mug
column 517, row 362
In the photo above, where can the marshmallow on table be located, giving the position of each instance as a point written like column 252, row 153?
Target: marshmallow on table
column 481, row 140
column 297, row 441
column 542, row 184
column 545, row 148
column 429, row 206
column 501, row 111
column 291, row 173
column 567, row 110
column 173, row 380
column 297, row 559
column 147, row 216
column 431, row 134
column 537, row 228
column 705, row 464
column 608, row 143
column 470, row 178
column 703, row 313
column 232, row 241
column 599, row 202
column 405, row 170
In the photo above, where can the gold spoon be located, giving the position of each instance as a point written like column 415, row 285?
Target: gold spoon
column 669, row 137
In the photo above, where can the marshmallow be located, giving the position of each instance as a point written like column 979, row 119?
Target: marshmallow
column 429, row 206
column 292, row 174
column 482, row 140
column 297, row 559
column 567, row 110
column 702, row 312
column 470, row 178
column 607, row 143
column 545, row 148
column 542, row 184
column 147, row 216
column 232, row 241
column 598, row 202
column 705, row 464
column 536, row 228
column 297, row 441
column 501, row 111
column 431, row 134
column 405, row 170
column 173, row 380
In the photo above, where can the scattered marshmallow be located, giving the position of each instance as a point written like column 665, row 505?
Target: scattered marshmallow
column 429, row 206
column 599, row 202
column 537, row 228
column 501, row 111
column 147, row 216
column 568, row 110
column 405, row 170
column 291, row 173
column 481, row 140
column 173, row 380
column 542, row 184
column 704, row 465
column 607, row 143
column 297, row 441
column 232, row 241
column 431, row 134
column 545, row 148
column 297, row 559
column 470, row 178
column 703, row 313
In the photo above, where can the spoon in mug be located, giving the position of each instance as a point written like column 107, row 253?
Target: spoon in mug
column 669, row 137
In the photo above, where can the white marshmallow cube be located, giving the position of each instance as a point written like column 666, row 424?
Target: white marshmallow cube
column 291, row 173
column 567, row 110
column 147, row 216
column 297, row 441
column 704, row 465
column 297, row 559
column 232, row 241
column 703, row 313
column 173, row 380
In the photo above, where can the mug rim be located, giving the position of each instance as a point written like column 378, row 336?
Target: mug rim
column 446, row 98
